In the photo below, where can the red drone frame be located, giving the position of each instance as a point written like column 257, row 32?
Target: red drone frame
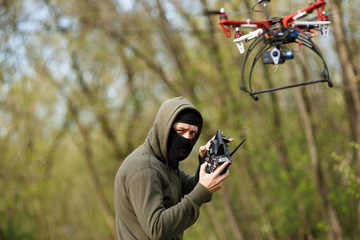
column 278, row 33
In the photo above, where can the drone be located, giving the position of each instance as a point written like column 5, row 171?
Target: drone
column 275, row 36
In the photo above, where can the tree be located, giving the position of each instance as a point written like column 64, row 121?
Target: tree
column 81, row 82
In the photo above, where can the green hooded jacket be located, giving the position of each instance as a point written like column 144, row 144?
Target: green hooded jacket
column 153, row 201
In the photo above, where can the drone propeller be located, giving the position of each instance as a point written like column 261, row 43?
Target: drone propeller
column 328, row 14
column 212, row 12
column 209, row 12
column 264, row 2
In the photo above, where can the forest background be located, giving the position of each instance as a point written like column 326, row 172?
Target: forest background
column 81, row 82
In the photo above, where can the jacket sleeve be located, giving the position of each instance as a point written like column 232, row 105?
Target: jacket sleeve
column 146, row 197
column 188, row 181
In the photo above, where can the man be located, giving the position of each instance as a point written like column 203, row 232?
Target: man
column 154, row 199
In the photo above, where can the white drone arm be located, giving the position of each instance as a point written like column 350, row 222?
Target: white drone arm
column 299, row 15
column 251, row 35
column 324, row 25
column 311, row 23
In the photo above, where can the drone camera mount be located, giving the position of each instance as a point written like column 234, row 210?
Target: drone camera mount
column 275, row 56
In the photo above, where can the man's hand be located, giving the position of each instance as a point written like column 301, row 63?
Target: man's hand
column 214, row 180
column 203, row 149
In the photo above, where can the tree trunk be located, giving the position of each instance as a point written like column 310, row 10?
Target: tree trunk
column 280, row 144
column 216, row 222
column 237, row 233
column 255, row 182
column 87, row 150
column 351, row 89
column 328, row 213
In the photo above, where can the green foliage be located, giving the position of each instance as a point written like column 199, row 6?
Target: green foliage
column 81, row 82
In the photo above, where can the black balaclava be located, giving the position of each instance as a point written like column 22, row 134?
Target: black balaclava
column 180, row 147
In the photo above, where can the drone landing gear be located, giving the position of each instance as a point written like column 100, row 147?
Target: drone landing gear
column 256, row 98
column 274, row 58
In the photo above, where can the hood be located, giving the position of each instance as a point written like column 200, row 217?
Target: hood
column 159, row 133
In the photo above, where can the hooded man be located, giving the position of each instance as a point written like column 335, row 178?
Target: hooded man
column 154, row 198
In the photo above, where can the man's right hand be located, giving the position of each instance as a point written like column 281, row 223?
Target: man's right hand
column 213, row 181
